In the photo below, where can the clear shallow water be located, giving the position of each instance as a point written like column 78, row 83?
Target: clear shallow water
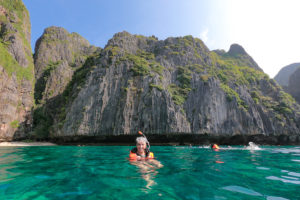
column 97, row 172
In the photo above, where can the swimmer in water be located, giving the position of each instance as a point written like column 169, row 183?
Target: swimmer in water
column 214, row 146
column 141, row 157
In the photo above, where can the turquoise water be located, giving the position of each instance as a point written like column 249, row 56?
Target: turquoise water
column 103, row 172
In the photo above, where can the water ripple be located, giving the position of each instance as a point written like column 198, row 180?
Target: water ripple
column 263, row 168
column 294, row 174
column 234, row 188
column 283, row 180
column 276, row 198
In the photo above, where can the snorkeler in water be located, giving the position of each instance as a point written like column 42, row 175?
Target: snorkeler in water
column 141, row 151
column 214, row 146
column 141, row 157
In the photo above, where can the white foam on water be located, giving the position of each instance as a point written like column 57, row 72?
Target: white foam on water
column 286, row 151
column 295, row 160
column 284, row 171
column 204, row 147
column 243, row 190
column 289, row 177
column 275, row 198
column 263, row 168
column 294, row 174
column 283, row 180
column 253, row 146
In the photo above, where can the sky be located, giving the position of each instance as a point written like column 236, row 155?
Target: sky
column 267, row 29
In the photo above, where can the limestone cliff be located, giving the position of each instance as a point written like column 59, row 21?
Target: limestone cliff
column 288, row 77
column 294, row 85
column 172, row 86
column 16, row 70
column 284, row 74
column 58, row 54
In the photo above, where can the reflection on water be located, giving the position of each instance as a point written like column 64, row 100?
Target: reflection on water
column 9, row 158
column 148, row 170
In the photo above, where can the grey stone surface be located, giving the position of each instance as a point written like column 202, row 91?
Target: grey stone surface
column 16, row 87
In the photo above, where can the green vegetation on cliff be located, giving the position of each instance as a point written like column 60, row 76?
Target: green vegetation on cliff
column 42, row 81
column 11, row 66
column 17, row 16
column 136, row 78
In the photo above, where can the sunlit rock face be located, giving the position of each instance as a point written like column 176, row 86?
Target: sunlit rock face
column 169, row 86
column 16, row 71
column 58, row 54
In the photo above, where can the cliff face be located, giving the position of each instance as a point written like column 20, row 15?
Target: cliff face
column 293, row 86
column 285, row 73
column 57, row 54
column 135, row 83
column 171, row 86
column 16, row 70
column 288, row 77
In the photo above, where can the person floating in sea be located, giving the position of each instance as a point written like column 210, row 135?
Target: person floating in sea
column 144, row 159
column 141, row 151
column 214, row 146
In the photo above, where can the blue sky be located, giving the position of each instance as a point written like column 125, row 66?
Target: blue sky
column 268, row 30
column 99, row 20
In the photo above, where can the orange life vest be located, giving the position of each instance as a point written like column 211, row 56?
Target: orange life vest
column 215, row 146
column 133, row 154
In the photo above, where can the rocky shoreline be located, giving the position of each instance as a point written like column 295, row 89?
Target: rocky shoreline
column 179, row 139
column 20, row 143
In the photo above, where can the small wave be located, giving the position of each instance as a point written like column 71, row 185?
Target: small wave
column 289, row 177
column 295, row 160
column 294, row 174
column 253, row 146
column 283, row 180
column 234, row 188
column 276, row 198
column 263, row 168
column 287, row 151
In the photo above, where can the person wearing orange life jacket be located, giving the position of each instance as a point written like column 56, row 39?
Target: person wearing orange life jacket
column 214, row 146
column 141, row 151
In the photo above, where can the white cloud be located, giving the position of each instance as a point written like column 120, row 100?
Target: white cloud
column 204, row 35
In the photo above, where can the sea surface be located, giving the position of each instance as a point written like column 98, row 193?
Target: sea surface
column 104, row 172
